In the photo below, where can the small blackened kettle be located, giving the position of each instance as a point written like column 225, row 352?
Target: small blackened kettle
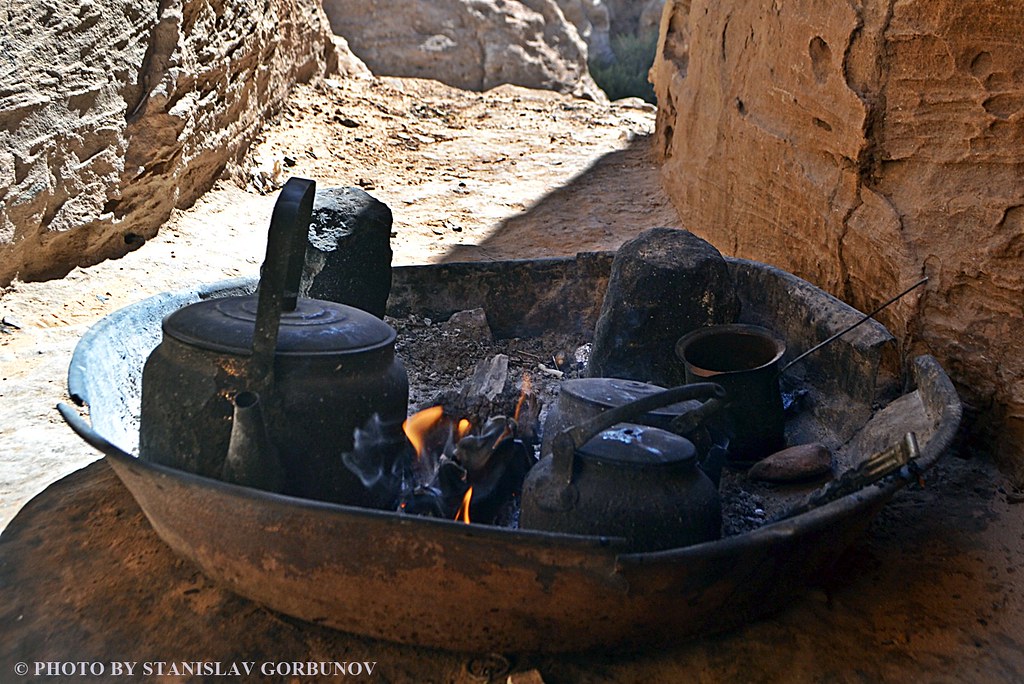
column 607, row 477
column 267, row 390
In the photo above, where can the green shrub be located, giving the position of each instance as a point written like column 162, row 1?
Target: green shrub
column 627, row 75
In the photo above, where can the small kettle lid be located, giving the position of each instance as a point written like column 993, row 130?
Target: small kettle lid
column 638, row 445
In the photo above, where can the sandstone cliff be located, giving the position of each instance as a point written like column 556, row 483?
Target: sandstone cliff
column 591, row 19
column 861, row 145
column 469, row 44
column 113, row 112
column 633, row 16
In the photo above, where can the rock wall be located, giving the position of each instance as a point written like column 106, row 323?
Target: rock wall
column 861, row 145
column 632, row 16
column 114, row 112
column 469, row 44
column 650, row 17
column 591, row 19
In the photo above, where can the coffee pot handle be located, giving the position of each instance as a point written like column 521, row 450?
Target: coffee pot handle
column 566, row 442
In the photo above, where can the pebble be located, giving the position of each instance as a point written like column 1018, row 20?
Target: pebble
column 472, row 324
column 9, row 325
column 796, row 463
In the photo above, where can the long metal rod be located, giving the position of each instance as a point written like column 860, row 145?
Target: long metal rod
column 818, row 346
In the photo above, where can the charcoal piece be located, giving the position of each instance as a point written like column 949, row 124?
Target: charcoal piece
column 499, row 481
column 474, row 451
column 348, row 258
column 664, row 283
column 425, row 501
column 492, row 391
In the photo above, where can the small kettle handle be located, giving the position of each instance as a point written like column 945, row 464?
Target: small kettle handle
column 280, row 274
column 566, row 442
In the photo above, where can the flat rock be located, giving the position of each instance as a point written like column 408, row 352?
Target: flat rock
column 472, row 324
column 802, row 462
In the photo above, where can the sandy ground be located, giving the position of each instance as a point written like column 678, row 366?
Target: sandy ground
column 511, row 173
column 934, row 591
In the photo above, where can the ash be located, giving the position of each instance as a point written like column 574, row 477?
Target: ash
column 441, row 358
column 745, row 505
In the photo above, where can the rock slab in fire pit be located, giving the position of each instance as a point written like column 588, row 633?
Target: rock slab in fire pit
column 663, row 284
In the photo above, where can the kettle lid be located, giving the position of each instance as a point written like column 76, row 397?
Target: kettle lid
column 315, row 326
column 638, row 445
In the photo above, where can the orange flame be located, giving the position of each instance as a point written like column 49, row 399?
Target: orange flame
column 527, row 386
column 463, row 513
column 418, row 425
column 463, row 429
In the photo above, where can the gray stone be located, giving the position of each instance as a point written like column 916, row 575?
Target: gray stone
column 348, row 259
column 590, row 17
column 471, row 324
column 663, row 284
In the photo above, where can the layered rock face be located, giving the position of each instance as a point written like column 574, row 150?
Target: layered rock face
column 591, row 19
column 633, row 16
column 861, row 145
column 113, row 112
column 469, row 44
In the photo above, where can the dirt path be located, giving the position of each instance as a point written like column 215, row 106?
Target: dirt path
column 468, row 176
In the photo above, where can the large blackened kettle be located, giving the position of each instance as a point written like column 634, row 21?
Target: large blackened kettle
column 267, row 390
column 608, row 477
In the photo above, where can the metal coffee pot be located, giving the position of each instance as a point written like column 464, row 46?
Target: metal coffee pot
column 268, row 390
column 744, row 359
column 608, row 477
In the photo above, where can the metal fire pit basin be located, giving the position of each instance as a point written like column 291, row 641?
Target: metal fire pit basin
column 479, row 588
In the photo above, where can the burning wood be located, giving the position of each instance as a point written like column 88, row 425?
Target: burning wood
column 469, row 474
column 481, row 432
column 453, row 470
column 492, row 391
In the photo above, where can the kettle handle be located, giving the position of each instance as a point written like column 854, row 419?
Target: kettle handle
column 566, row 442
column 280, row 274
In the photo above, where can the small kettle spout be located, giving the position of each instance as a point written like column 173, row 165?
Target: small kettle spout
column 252, row 461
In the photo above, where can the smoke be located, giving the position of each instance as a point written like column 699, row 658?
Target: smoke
column 381, row 458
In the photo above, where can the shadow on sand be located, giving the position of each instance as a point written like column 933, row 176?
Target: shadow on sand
column 616, row 198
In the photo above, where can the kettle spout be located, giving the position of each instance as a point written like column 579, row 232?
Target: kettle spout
column 252, row 461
